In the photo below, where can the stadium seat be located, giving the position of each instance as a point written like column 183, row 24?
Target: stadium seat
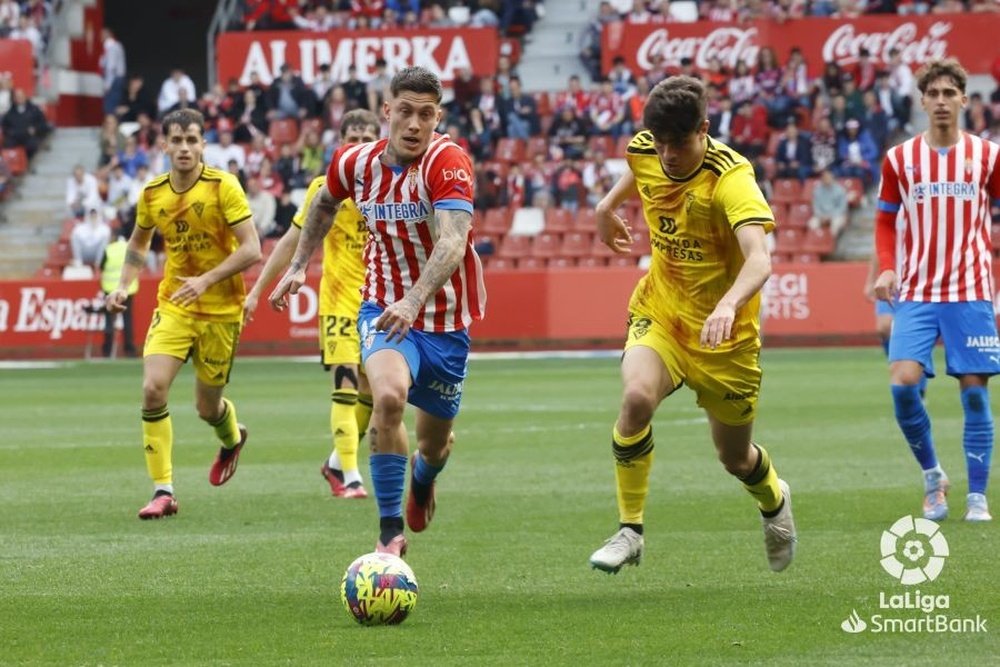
column 819, row 241
column 855, row 190
column 513, row 247
column 283, row 131
column 807, row 190
column 497, row 167
column 531, row 264
column 789, row 240
column 605, row 144
column 510, row 150
column 562, row 263
column 78, row 272
column 621, row 145
column 585, row 221
column 576, row 244
column 806, row 258
column 640, row 242
column 60, row 253
column 798, row 215
column 536, row 146
column 769, row 167
column 528, row 221
column 781, row 257
column 772, row 143
column 558, row 220
column 546, row 245
column 543, row 104
column 995, row 237
column 624, row 261
column 787, row 191
column 598, row 249
column 496, row 221
column 16, row 160
column 495, row 263
column 592, row 262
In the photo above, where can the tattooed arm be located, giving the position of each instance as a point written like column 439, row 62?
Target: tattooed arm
column 135, row 259
column 319, row 219
column 446, row 257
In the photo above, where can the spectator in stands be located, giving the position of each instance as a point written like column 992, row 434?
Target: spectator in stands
column 465, row 88
column 889, row 101
column 720, row 122
column 6, row 92
column 575, row 97
column 567, row 184
column 288, row 168
column 132, row 157
column 112, row 71
column 480, row 135
column 590, row 40
column 377, row 88
column 831, row 82
column 829, row 204
column 111, row 140
column 240, row 175
column 824, row 146
column 749, row 130
column 487, row 102
column 147, row 134
column 321, row 86
column 10, row 12
column 270, row 14
column 219, row 154
column 81, row 190
column 569, row 132
column 520, row 112
column 335, row 106
column 795, row 78
column 742, row 86
column 213, row 106
column 24, row 124
column 137, row 100
column 517, row 17
column 28, row 30
column 355, row 90
column 716, row 74
column 536, row 181
column 142, row 176
column 863, row 71
column 857, row 153
column 255, row 155
column 90, row 236
column 637, row 102
column 607, row 112
column 514, row 187
column 170, row 90
column 312, row 154
column 288, row 96
column 794, row 156
column 595, row 170
column 264, row 207
column 118, row 188
column 505, row 70
column 978, row 117
column 111, row 263
column 319, row 19
column 854, row 103
column 4, row 178
column 621, row 78
column 489, row 187
column 901, row 82
column 252, row 117
column 875, row 120
column 269, row 179
column 184, row 101
column 838, row 114
column 283, row 214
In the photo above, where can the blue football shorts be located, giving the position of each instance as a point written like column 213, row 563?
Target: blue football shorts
column 438, row 362
column 884, row 307
column 968, row 330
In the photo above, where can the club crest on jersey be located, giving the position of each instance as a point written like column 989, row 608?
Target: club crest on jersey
column 412, row 178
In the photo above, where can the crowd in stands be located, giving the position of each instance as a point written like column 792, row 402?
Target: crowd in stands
column 815, row 142
column 510, row 17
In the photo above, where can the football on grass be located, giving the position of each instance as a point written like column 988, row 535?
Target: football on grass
column 379, row 589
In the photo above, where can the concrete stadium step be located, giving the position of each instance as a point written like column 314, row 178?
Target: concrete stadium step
column 552, row 52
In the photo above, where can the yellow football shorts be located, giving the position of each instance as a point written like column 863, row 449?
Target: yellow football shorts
column 726, row 381
column 339, row 342
column 212, row 345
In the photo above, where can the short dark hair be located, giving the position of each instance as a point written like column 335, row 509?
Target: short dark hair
column 358, row 118
column 675, row 108
column 183, row 118
column 416, row 79
column 935, row 69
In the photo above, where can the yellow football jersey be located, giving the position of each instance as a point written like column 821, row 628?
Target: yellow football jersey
column 196, row 228
column 343, row 264
column 692, row 223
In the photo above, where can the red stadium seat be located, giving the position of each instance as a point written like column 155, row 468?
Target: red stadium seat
column 807, row 190
column 787, row 191
column 598, row 249
column 510, row 150
column 855, row 190
column 562, row 263
column 531, row 263
column 819, row 241
column 283, row 131
column 536, row 146
column 781, row 257
column 640, row 242
column 624, row 261
column 805, row 258
column 558, row 220
column 496, row 221
column 789, row 240
column 495, row 263
column 16, row 160
column 546, row 244
column 585, row 221
column 577, row 244
column 798, row 216
column 592, row 262
column 621, row 145
column 602, row 143
column 772, row 143
column 543, row 104
column 513, row 247
column 768, row 165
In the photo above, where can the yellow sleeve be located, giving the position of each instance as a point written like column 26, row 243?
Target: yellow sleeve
column 235, row 208
column 300, row 215
column 741, row 200
column 142, row 218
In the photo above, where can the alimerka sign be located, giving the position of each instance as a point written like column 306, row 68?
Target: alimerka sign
column 918, row 39
column 444, row 51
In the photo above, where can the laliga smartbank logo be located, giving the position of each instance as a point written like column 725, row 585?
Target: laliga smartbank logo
column 913, row 552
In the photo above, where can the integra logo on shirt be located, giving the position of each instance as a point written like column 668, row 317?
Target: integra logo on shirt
column 393, row 211
column 955, row 189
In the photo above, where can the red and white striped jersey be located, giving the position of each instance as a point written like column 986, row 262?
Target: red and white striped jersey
column 942, row 201
column 398, row 205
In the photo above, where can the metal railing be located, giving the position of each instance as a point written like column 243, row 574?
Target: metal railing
column 225, row 12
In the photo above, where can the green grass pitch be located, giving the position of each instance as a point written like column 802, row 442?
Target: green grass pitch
column 249, row 574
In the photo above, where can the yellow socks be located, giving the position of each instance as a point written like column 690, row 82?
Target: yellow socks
column 363, row 412
column 762, row 483
column 158, row 441
column 344, row 424
column 225, row 426
column 633, row 460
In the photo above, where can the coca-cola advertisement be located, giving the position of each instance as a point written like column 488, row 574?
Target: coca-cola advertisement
column 444, row 51
column 918, row 39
